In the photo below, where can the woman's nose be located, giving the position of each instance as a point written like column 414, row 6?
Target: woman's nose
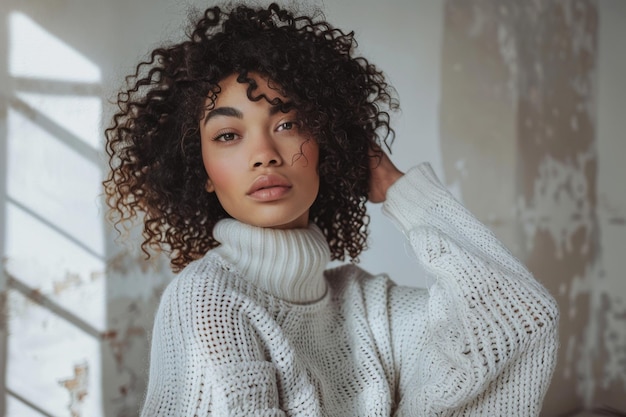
column 265, row 153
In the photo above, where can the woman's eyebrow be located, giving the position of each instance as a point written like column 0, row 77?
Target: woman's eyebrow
column 223, row 111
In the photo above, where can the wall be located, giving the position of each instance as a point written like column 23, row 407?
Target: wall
column 79, row 308
column 531, row 109
column 605, row 338
column 529, row 140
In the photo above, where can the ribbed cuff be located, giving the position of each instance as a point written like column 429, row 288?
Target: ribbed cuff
column 411, row 198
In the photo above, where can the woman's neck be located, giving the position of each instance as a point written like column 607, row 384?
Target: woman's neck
column 288, row 264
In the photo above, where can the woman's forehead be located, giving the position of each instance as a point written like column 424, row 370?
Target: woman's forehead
column 257, row 83
column 253, row 87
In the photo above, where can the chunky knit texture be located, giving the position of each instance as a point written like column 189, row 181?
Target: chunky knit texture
column 256, row 328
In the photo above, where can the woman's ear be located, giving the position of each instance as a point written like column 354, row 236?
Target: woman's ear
column 209, row 187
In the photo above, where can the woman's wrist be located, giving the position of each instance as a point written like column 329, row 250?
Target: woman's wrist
column 384, row 175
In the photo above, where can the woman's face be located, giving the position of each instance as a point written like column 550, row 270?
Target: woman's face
column 261, row 164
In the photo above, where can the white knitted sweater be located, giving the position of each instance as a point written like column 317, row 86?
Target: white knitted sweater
column 257, row 328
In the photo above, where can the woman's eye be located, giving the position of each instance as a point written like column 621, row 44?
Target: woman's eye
column 287, row 126
column 225, row 137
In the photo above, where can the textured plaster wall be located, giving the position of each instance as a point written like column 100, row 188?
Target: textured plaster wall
column 610, row 307
column 520, row 120
column 79, row 308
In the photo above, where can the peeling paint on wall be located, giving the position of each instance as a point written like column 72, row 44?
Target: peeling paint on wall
column 559, row 187
column 599, row 359
column 527, row 70
column 77, row 386
column 134, row 286
column 52, row 337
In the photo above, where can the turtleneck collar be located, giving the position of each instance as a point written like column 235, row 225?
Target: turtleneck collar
column 288, row 264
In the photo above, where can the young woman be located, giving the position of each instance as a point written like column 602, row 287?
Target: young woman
column 249, row 151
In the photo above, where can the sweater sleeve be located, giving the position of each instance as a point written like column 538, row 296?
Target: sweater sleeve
column 205, row 359
column 491, row 328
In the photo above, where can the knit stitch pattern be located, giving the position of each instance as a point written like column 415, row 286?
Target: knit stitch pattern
column 481, row 341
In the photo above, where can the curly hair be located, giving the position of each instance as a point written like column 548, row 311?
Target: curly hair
column 156, row 169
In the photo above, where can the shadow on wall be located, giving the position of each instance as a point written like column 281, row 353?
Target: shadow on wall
column 77, row 314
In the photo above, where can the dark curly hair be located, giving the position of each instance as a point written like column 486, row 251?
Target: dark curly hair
column 153, row 143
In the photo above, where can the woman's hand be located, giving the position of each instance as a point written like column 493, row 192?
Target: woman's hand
column 383, row 174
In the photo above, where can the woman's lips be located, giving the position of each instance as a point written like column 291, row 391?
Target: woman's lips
column 269, row 188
